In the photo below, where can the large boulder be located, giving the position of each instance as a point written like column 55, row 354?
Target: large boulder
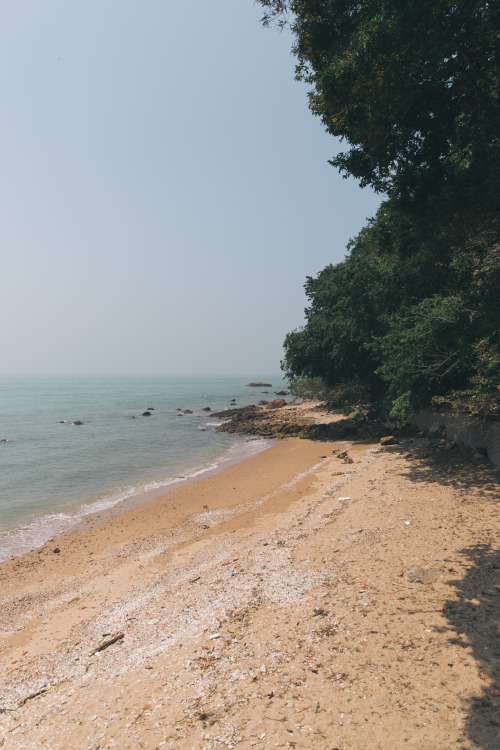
column 259, row 384
column 276, row 404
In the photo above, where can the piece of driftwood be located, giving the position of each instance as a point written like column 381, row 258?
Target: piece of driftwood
column 107, row 643
column 34, row 695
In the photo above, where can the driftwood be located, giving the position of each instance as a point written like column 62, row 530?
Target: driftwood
column 34, row 695
column 107, row 643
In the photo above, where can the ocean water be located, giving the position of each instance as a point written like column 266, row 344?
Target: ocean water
column 53, row 472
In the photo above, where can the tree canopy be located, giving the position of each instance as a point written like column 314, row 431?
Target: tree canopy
column 413, row 88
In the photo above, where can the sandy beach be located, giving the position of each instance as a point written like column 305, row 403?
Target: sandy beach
column 297, row 599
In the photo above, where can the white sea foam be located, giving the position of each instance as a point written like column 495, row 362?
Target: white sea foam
column 27, row 537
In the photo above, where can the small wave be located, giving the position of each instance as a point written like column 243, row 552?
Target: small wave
column 24, row 538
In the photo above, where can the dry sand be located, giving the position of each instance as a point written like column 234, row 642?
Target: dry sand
column 271, row 605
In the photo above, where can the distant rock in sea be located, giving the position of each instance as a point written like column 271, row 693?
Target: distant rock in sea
column 146, row 413
column 78, row 421
column 259, row 384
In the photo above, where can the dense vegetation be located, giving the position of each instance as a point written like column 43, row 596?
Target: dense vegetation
column 413, row 312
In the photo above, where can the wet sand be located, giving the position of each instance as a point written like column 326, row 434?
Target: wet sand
column 275, row 604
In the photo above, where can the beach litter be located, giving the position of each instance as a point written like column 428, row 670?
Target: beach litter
column 29, row 697
column 105, row 644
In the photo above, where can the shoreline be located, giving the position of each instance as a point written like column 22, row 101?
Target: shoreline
column 85, row 515
column 276, row 602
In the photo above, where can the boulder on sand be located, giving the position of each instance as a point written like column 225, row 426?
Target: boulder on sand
column 276, row 404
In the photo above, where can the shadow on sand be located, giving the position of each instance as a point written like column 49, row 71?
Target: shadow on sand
column 475, row 619
column 473, row 613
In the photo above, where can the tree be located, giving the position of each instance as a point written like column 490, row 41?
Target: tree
column 413, row 87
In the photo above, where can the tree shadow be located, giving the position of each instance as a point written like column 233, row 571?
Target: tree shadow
column 475, row 618
column 436, row 461
column 474, row 613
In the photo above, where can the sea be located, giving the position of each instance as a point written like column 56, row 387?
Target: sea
column 54, row 473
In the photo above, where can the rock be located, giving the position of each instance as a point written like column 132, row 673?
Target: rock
column 178, row 409
column 146, row 413
column 206, row 408
column 259, row 384
column 282, row 393
column 422, row 575
column 388, row 440
column 57, row 551
column 278, row 403
column 187, row 411
column 263, row 402
column 78, row 421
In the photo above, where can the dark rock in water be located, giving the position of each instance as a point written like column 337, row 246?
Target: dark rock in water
column 4, row 440
column 62, row 421
column 187, row 411
column 151, row 408
column 259, row 384
column 78, row 421
column 263, row 402
column 278, row 403
column 282, row 393
column 146, row 413
column 178, row 409
column 206, row 408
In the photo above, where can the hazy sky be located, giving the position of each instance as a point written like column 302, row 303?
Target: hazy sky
column 164, row 188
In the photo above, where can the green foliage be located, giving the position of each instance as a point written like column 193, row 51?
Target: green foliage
column 412, row 87
column 305, row 387
column 413, row 312
column 346, row 409
column 402, row 409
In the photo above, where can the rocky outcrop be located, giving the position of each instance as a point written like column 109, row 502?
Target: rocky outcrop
column 287, row 421
column 259, row 384
column 278, row 403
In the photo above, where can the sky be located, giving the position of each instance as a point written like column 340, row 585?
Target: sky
column 164, row 189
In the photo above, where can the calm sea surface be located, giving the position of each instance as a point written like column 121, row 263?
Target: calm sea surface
column 53, row 472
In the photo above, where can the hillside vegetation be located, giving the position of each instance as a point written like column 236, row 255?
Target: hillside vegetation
column 413, row 312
